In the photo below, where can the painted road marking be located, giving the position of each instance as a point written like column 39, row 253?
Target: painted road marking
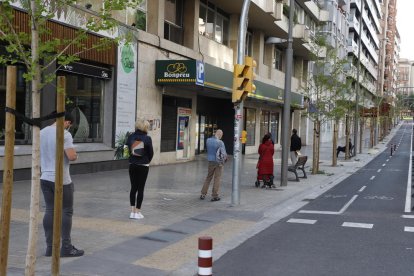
column 362, row 188
column 387, row 160
column 330, row 212
column 383, row 165
column 358, row 225
column 305, row 221
column 372, row 177
column 379, row 170
column 408, row 229
column 408, row 216
column 172, row 257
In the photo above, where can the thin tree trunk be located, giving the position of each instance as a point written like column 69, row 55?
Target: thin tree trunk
column 361, row 133
column 57, row 215
column 315, row 157
column 8, row 169
column 35, row 181
column 347, row 134
column 335, row 143
column 318, row 144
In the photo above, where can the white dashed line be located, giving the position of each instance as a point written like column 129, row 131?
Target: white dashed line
column 358, row 225
column 379, row 170
column 305, row 221
column 383, row 165
column 372, row 177
column 408, row 216
column 408, row 229
column 387, row 160
column 362, row 188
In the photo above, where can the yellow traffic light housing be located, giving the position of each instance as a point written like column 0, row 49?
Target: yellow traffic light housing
column 243, row 137
column 251, row 76
column 243, row 77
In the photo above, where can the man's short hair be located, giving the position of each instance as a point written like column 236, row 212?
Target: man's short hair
column 294, row 131
column 68, row 116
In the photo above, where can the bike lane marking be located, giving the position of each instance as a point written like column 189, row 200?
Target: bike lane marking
column 305, row 221
column 358, row 225
column 408, row 229
column 330, row 212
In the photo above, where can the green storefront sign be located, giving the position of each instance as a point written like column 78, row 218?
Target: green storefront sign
column 184, row 72
column 170, row 72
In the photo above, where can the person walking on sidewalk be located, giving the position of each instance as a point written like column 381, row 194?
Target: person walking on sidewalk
column 265, row 163
column 47, row 182
column 217, row 156
column 141, row 153
column 295, row 146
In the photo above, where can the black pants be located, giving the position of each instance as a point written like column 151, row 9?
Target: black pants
column 138, row 176
column 48, row 189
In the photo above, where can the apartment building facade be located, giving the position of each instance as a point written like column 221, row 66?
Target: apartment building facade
column 177, row 73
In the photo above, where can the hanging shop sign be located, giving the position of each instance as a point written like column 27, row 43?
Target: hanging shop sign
column 87, row 70
column 172, row 72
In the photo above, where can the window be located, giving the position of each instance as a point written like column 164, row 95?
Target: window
column 249, row 44
column 213, row 23
column 85, row 102
column 270, row 124
column 250, row 125
column 173, row 24
column 23, row 104
column 278, row 60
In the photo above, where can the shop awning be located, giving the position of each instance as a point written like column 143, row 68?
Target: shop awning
column 194, row 72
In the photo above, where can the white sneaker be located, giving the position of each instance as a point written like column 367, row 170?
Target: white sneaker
column 132, row 215
column 138, row 216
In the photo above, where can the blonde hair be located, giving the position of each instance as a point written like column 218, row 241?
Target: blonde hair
column 142, row 125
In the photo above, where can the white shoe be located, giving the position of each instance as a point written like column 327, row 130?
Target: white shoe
column 132, row 215
column 138, row 216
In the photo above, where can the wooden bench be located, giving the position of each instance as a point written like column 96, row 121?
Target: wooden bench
column 300, row 165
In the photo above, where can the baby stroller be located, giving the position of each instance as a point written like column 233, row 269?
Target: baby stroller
column 266, row 180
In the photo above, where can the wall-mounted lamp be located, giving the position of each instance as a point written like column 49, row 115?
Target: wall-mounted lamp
column 275, row 40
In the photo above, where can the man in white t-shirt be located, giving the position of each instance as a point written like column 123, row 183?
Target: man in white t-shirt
column 47, row 181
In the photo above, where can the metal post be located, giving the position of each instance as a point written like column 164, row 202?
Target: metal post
column 357, row 88
column 238, row 110
column 381, row 79
column 286, row 98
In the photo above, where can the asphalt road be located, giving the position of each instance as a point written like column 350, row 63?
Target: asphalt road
column 362, row 226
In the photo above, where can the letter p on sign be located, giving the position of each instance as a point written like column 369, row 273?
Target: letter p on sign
column 200, row 73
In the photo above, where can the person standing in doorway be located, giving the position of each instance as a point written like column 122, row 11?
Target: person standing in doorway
column 217, row 156
column 141, row 153
column 295, row 146
column 47, row 182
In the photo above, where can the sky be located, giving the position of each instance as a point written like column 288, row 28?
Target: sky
column 405, row 25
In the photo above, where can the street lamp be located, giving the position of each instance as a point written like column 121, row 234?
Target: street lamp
column 286, row 98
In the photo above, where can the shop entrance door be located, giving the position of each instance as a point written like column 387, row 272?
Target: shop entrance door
column 206, row 127
column 183, row 132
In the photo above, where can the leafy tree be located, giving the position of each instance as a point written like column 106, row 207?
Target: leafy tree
column 40, row 50
column 328, row 91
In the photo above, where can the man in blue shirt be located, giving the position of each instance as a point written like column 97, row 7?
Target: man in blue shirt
column 215, row 167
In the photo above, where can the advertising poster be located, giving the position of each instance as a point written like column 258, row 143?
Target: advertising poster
column 126, row 90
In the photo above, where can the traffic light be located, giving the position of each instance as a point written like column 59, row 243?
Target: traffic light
column 251, row 76
column 243, row 137
column 243, row 77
